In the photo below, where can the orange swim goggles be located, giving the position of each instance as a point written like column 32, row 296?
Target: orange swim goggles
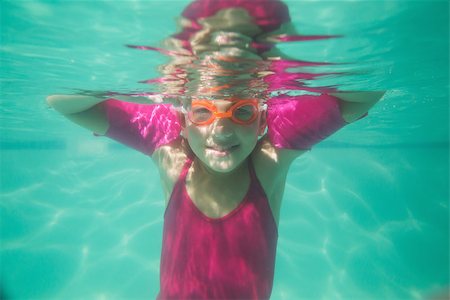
column 204, row 112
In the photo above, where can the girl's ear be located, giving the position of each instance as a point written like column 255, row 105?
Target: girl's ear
column 182, row 119
column 262, row 123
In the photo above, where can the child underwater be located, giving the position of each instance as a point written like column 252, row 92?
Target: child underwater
column 223, row 152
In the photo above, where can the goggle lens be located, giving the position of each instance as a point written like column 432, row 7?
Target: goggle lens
column 200, row 114
column 245, row 113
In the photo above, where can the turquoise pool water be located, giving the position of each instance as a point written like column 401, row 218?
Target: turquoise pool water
column 365, row 213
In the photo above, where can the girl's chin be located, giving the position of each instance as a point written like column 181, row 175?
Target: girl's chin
column 221, row 164
column 222, row 170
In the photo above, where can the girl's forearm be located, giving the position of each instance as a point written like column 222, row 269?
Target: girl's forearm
column 71, row 104
column 354, row 105
column 360, row 97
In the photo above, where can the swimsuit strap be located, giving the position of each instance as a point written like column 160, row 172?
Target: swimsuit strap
column 185, row 170
column 252, row 171
column 179, row 185
column 190, row 156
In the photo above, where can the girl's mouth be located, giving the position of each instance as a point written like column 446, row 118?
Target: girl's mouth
column 221, row 150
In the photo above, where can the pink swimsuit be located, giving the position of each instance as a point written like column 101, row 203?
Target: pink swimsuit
column 231, row 257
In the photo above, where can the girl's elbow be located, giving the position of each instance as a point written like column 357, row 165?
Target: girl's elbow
column 54, row 102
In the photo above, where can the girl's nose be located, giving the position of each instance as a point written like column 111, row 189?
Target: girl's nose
column 222, row 129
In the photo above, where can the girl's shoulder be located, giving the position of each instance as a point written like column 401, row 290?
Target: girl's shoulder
column 272, row 164
column 268, row 158
column 170, row 160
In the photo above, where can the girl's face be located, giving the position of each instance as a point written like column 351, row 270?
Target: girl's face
column 223, row 144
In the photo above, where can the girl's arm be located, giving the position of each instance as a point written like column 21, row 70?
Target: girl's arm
column 298, row 123
column 126, row 119
column 354, row 105
column 87, row 111
column 82, row 110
